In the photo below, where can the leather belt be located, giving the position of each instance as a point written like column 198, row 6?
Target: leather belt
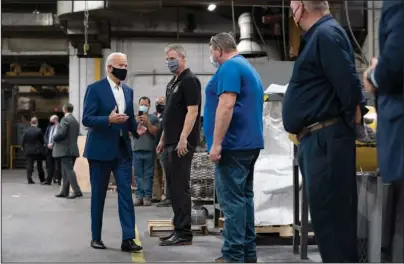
column 316, row 126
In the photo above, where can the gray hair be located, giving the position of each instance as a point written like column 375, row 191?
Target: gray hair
column 54, row 117
column 224, row 41
column 34, row 121
column 177, row 48
column 111, row 57
column 317, row 6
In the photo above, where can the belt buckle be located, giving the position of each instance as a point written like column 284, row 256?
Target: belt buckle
column 304, row 133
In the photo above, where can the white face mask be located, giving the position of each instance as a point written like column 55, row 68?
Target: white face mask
column 214, row 63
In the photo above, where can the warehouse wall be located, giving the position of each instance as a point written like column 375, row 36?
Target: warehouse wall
column 82, row 72
column 148, row 73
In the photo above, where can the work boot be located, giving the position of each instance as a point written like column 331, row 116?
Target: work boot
column 138, row 202
column 147, row 202
column 164, row 203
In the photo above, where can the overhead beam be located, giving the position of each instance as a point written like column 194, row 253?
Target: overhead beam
column 32, row 32
column 36, row 80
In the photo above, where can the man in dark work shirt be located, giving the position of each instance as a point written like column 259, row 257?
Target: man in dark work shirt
column 319, row 107
column 181, row 128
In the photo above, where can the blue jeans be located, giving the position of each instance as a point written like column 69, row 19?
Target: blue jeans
column 234, row 181
column 143, row 163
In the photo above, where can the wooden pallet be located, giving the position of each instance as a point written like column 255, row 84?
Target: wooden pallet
column 285, row 231
column 160, row 227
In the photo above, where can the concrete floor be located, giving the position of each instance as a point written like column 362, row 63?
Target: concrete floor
column 37, row 227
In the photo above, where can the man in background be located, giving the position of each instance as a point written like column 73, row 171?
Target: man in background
column 234, row 134
column 161, row 175
column 385, row 79
column 67, row 150
column 144, row 152
column 33, row 147
column 179, row 139
column 53, row 165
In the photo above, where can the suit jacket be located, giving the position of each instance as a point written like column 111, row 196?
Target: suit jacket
column 389, row 77
column 33, row 142
column 65, row 139
column 103, row 139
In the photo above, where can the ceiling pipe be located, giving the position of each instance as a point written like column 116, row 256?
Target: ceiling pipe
column 248, row 47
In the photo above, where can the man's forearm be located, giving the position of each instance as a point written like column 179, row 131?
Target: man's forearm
column 152, row 129
column 162, row 137
column 222, row 123
column 189, row 123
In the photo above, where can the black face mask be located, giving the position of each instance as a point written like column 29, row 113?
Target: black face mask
column 119, row 73
column 159, row 108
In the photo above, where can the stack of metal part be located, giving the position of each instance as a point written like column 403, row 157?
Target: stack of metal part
column 202, row 174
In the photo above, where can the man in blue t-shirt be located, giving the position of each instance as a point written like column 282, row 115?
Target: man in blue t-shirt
column 234, row 135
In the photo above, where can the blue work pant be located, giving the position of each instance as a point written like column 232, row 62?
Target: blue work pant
column 143, row 163
column 234, row 182
column 327, row 160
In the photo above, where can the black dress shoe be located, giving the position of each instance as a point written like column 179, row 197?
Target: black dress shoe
column 31, row 182
column 46, row 183
column 97, row 244
column 176, row 241
column 164, row 238
column 164, row 203
column 61, row 195
column 130, row 246
column 250, row 260
column 75, row 195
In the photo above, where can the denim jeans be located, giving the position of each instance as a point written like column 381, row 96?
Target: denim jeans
column 234, row 181
column 143, row 163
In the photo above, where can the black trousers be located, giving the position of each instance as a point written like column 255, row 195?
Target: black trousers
column 393, row 233
column 30, row 167
column 53, row 167
column 178, row 174
column 327, row 161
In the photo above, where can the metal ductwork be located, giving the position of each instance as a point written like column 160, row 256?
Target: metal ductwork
column 247, row 46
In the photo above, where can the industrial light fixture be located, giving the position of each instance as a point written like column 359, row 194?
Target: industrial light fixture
column 211, row 7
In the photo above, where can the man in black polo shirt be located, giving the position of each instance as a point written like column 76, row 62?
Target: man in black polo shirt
column 181, row 128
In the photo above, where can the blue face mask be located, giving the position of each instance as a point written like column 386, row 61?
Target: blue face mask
column 214, row 63
column 143, row 108
column 173, row 65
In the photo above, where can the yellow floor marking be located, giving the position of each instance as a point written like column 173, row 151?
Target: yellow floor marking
column 139, row 256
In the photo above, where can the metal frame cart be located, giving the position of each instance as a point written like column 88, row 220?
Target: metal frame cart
column 202, row 181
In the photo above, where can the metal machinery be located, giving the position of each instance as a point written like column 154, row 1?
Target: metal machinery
column 202, row 183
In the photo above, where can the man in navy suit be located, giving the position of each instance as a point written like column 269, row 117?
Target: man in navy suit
column 385, row 78
column 108, row 114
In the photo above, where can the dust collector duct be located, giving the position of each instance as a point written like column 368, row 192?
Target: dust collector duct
column 247, row 46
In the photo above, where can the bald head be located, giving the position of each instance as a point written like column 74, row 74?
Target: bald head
column 161, row 100
column 34, row 121
column 116, row 66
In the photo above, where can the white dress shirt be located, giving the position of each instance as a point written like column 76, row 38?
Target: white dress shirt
column 119, row 96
